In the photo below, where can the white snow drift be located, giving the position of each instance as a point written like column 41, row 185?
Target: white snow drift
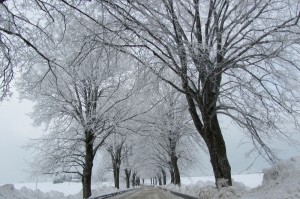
column 282, row 181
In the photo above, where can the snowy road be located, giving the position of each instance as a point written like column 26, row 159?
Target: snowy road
column 147, row 193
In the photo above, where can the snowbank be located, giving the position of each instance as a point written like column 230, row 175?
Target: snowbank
column 9, row 192
column 207, row 190
column 68, row 188
column 46, row 190
column 249, row 180
column 282, row 181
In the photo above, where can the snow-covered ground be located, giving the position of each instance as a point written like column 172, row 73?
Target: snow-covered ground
column 249, row 180
column 282, row 181
column 48, row 190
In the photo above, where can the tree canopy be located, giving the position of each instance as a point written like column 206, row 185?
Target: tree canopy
column 86, row 61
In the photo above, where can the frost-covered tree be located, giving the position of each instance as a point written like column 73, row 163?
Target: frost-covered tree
column 172, row 131
column 128, row 161
column 119, row 151
column 81, row 104
column 116, row 159
column 236, row 58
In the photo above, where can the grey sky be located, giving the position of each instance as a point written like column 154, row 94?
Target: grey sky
column 15, row 128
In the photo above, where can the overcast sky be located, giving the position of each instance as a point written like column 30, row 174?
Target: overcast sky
column 16, row 127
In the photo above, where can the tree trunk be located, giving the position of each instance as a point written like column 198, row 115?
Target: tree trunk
column 133, row 179
column 127, row 176
column 211, row 133
column 137, row 181
column 176, row 171
column 218, row 155
column 159, row 179
column 117, row 177
column 87, row 170
column 164, row 176
column 172, row 175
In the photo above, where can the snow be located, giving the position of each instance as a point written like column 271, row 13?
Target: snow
column 249, row 180
column 48, row 190
column 68, row 188
column 282, row 181
column 9, row 191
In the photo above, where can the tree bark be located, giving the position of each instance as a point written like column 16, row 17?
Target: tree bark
column 211, row 133
column 164, row 176
column 176, row 171
column 159, row 179
column 172, row 175
column 117, row 177
column 218, row 155
column 137, row 181
column 127, row 176
column 116, row 159
column 87, row 170
column 133, row 179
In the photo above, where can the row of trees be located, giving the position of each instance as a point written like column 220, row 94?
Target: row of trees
column 175, row 136
column 94, row 100
column 88, row 65
column 163, row 142
column 80, row 105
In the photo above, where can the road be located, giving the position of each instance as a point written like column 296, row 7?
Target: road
column 147, row 193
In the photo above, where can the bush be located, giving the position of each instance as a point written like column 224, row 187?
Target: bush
column 58, row 180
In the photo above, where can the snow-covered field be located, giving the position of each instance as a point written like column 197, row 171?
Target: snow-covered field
column 279, row 182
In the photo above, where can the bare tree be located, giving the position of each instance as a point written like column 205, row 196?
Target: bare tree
column 118, row 151
column 116, row 158
column 171, row 128
column 236, row 58
column 164, row 176
column 129, row 162
column 80, row 102
column 127, row 177
column 158, row 175
column 133, row 178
